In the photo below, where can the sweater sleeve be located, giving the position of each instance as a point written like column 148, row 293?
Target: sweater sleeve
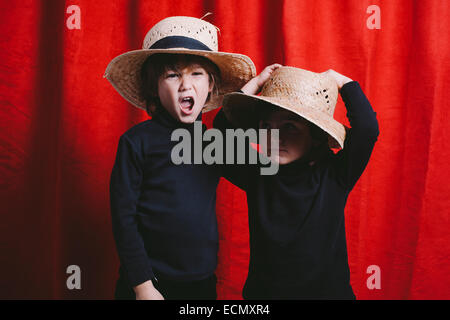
column 360, row 139
column 126, row 179
column 237, row 174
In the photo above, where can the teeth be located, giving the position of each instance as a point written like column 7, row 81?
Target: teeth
column 187, row 102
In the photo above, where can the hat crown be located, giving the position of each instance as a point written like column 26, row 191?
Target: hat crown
column 304, row 88
column 189, row 27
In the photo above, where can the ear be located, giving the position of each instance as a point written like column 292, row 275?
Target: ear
column 211, row 84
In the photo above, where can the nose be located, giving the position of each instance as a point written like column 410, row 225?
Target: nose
column 281, row 137
column 278, row 139
column 275, row 140
column 186, row 83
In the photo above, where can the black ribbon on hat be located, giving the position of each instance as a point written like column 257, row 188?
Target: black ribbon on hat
column 179, row 42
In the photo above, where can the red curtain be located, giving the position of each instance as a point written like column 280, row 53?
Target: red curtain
column 60, row 124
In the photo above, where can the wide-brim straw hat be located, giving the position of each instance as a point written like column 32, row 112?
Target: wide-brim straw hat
column 182, row 35
column 311, row 95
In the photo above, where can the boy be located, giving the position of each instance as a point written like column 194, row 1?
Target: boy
column 296, row 217
column 163, row 215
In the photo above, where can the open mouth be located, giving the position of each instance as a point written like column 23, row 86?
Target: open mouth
column 187, row 104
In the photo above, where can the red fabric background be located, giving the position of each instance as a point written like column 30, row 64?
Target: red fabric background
column 60, row 122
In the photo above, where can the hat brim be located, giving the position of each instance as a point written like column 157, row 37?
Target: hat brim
column 123, row 72
column 242, row 109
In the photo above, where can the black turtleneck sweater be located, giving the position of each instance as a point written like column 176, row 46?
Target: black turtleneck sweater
column 296, row 217
column 163, row 215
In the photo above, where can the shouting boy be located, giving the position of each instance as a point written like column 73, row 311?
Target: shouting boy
column 163, row 215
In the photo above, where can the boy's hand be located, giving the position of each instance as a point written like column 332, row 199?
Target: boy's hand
column 255, row 85
column 146, row 291
column 339, row 78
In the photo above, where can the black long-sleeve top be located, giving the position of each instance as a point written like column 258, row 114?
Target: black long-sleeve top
column 163, row 215
column 296, row 217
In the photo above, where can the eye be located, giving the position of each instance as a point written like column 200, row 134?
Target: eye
column 171, row 75
column 290, row 127
column 197, row 73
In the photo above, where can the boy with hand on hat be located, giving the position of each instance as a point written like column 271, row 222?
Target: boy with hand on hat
column 296, row 217
column 163, row 215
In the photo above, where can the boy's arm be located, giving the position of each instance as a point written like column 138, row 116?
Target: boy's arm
column 255, row 85
column 126, row 179
column 360, row 139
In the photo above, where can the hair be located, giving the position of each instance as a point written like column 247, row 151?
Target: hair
column 320, row 145
column 158, row 64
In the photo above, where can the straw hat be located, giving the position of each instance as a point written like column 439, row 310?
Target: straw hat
column 185, row 35
column 310, row 95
